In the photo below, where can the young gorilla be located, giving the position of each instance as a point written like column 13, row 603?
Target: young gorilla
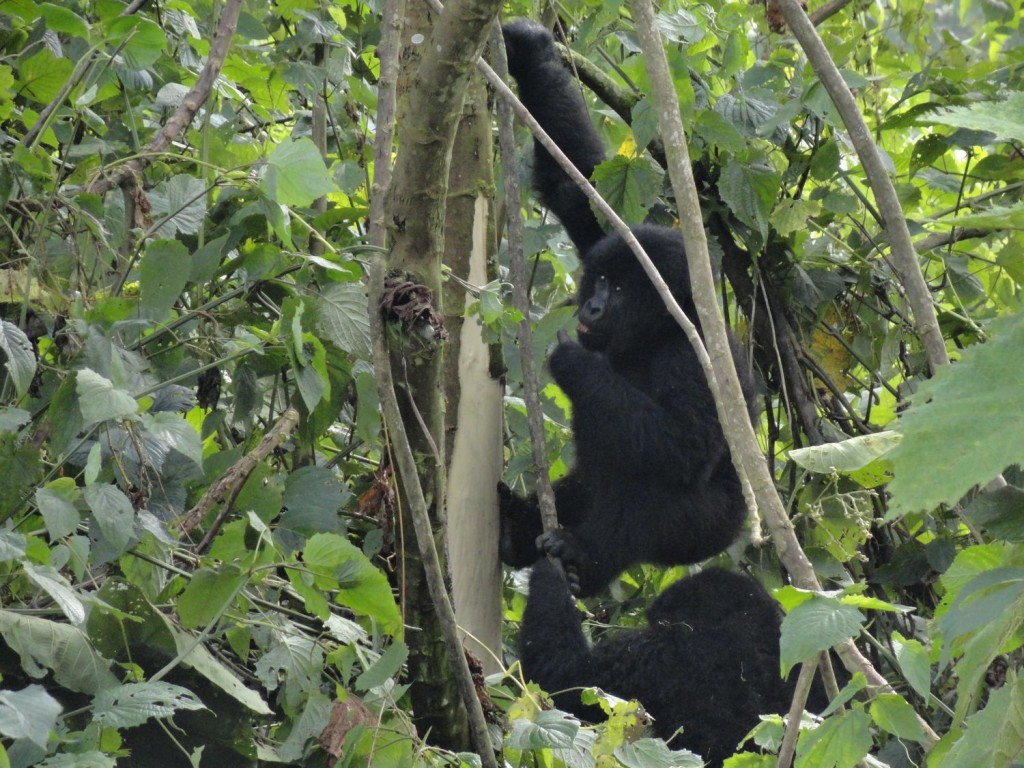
column 708, row 663
column 653, row 480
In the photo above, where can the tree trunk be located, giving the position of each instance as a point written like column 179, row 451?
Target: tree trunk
column 436, row 59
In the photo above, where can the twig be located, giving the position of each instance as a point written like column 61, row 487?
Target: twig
column 190, row 105
column 521, row 295
column 236, row 476
column 803, row 688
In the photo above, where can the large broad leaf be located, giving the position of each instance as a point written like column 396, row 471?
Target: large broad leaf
column 342, row 318
column 654, row 753
column 99, row 400
column 386, row 667
column 21, row 359
column 307, row 727
column 42, row 75
column 815, row 625
column 750, row 192
column 364, row 588
column 57, row 587
column 629, row 184
column 44, row 644
column 208, row 594
column 179, row 205
column 296, row 174
column 175, row 433
column 964, row 426
column 995, row 736
column 312, row 497
column 30, row 713
column 55, row 502
column 1003, row 118
column 113, row 512
column 127, row 706
column 162, row 276
column 841, row 741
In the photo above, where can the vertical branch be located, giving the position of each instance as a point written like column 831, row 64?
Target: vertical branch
column 384, row 133
column 904, row 256
column 520, row 294
column 739, row 433
column 413, row 498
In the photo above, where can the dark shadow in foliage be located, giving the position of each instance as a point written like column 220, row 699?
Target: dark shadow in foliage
column 708, row 663
column 653, row 480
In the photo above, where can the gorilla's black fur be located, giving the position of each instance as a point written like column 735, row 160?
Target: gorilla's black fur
column 708, row 663
column 653, row 480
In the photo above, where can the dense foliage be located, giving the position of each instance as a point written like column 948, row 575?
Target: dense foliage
column 157, row 558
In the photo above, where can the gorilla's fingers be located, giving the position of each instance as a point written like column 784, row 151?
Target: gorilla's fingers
column 563, row 336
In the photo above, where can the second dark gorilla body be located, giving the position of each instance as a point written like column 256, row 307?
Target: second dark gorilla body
column 653, row 480
column 708, row 663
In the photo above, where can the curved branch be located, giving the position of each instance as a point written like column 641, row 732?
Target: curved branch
column 190, row 105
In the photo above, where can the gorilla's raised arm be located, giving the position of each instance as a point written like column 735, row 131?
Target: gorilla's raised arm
column 553, row 98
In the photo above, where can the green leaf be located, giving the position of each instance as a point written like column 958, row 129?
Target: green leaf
column 114, row 513
column 654, row 753
column 163, row 274
column 99, row 400
column 176, row 433
column 791, row 216
column 58, row 511
column 308, row 726
column 132, row 704
column 995, row 735
column 66, row 650
column 343, row 319
column 364, row 588
column 816, row 625
column 12, row 545
column 915, row 664
column 750, row 192
column 846, row 456
column 841, row 741
column 967, row 420
column 891, row 712
column 988, row 598
column 21, row 361
column 1000, row 513
column 629, row 184
column 30, row 713
column 549, row 729
column 12, row 419
column 386, row 667
column 644, row 122
column 313, row 496
column 144, row 41
column 296, row 174
column 179, row 205
column 1003, row 118
column 208, row 594
column 61, row 19
column 42, row 75
column 57, row 587
column 21, row 358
